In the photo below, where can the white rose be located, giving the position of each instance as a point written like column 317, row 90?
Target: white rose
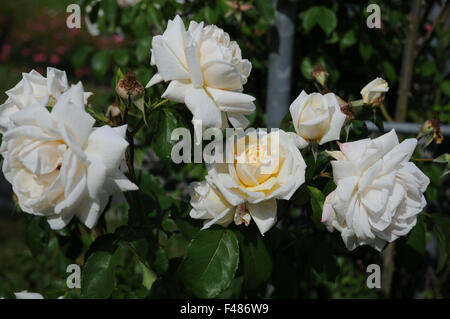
column 208, row 204
column 317, row 117
column 59, row 165
column 206, row 72
column 269, row 166
column 379, row 192
column 33, row 89
column 373, row 92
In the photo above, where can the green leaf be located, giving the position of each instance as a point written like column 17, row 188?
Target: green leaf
column 155, row 16
column 371, row 114
column 443, row 158
column 255, row 258
column 160, row 261
column 148, row 277
column 390, row 71
column 360, row 128
column 427, row 68
column 100, row 63
column 286, row 123
column 210, row 263
column 109, row 8
column 80, row 56
column 164, row 122
column 143, row 49
column 314, row 167
column 416, row 238
column 347, row 40
column 307, row 67
column 320, row 15
column 37, row 234
column 233, row 291
column 98, row 277
column 188, row 227
column 140, row 26
column 445, row 87
column 176, row 246
column 121, row 56
column 441, row 229
column 317, row 200
column 365, row 50
column 266, row 10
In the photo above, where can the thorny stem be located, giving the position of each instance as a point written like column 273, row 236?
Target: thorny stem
column 422, row 159
column 130, row 135
column 129, row 156
column 426, row 214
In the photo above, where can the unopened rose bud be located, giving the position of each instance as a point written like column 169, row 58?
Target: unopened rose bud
column 373, row 93
column 113, row 110
column 320, row 74
column 129, row 86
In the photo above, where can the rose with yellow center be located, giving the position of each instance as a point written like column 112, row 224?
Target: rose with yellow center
column 265, row 167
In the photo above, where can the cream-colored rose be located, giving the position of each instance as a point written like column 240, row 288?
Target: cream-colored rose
column 266, row 167
column 373, row 93
column 33, row 89
column 317, row 117
column 208, row 204
column 379, row 192
column 59, row 165
column 206, row 72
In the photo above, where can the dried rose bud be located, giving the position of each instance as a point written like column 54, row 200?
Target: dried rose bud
column 129, row 86
column 431, row 127
column 320, row 74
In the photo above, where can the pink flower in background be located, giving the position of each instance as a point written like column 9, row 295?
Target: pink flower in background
column 25, row 52
column 54, row 59
column 4, row 53
column 117, row 39
column 428, row 26
column 40, row 57
column 61, row 49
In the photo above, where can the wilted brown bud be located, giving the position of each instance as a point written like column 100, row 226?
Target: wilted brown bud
column 129, row 86
column 346, row 108
column 432, row 127
column 320, row 74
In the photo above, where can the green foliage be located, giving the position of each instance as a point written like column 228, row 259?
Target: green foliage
column 255, row 259
column 210, row 263
column 321, row 16
column 98, row 279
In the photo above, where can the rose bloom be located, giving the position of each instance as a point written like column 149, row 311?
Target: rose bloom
column 317, row 117
column 265, row 167
column 33, row 89
column 379, row 192
column 373, row 93
column 206, row 72
column 59, row 165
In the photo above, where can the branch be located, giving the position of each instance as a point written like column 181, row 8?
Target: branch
column 423, row 41
column 409, row 55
